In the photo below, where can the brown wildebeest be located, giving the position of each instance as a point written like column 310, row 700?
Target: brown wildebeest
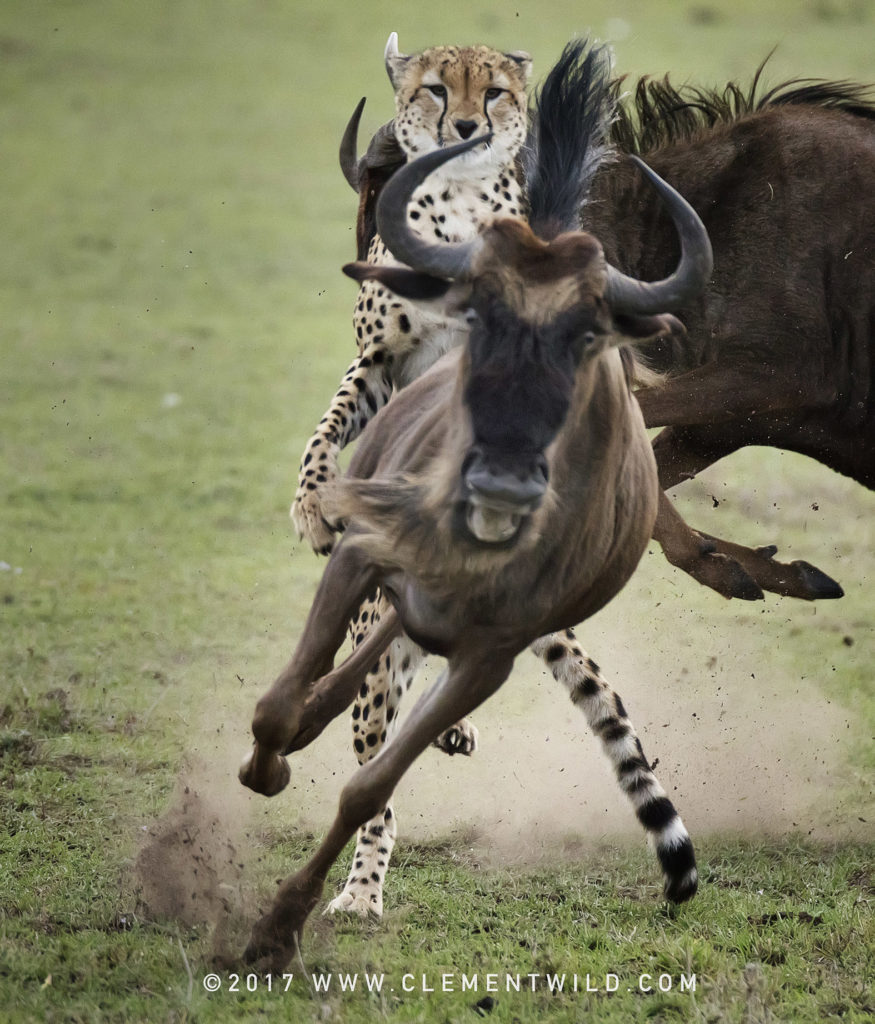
column 780, row 348
column 506, row 494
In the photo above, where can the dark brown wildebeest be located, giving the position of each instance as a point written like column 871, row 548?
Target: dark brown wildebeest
column 506, row 494
column 779, row 348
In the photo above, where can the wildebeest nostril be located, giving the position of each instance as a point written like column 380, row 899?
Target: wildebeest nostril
column 466, row 128
column 517, row 485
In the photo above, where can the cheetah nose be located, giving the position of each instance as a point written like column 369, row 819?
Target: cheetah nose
column 466, row 128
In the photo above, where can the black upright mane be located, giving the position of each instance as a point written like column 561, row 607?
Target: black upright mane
column 570, row 124
column 657, row 113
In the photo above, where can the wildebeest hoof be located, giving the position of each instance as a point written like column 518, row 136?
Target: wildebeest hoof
column 268, row 775
column 275, row 937
column 264, row 956
column 816, row 584
column 461, row 738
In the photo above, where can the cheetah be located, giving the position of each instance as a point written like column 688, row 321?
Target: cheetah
column 443, row 95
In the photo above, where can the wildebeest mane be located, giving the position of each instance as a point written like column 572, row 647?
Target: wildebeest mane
column 657, row 113
column 567, row 138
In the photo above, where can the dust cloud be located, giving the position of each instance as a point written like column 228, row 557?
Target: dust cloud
column 191, row 861
column 744, row 744
column 739, row 749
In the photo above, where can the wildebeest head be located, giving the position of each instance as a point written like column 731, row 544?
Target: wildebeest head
column 540, row 311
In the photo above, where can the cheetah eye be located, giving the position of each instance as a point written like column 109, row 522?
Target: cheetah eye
column 437, row 90
column 493, row 94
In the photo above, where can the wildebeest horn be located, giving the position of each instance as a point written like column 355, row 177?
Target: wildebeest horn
column 450, row 260
column 628, row 295
column 349, row 147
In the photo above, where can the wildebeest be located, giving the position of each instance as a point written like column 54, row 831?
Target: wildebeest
column 779, row 347
column 508, row 493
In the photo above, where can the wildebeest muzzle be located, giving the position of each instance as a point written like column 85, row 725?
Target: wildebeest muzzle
column 499, row 491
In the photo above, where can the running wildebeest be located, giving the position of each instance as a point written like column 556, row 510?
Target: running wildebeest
column 506, row 494
column 780, row 347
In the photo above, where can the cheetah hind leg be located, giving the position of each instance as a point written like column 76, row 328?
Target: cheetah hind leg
column 461, row 738
column 607, row 718
column 363, row 892
column 374, row 717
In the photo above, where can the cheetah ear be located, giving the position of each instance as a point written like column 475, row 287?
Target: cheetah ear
column 523, row 61
column 407, row 283
column 395, row 61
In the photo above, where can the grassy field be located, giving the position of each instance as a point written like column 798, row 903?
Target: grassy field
column 174, row 322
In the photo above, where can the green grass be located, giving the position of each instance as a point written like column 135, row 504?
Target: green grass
column 174, row 321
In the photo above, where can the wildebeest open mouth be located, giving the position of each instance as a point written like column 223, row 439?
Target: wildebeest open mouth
column 494, row 522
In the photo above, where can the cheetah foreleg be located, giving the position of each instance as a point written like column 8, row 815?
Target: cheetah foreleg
column 364, row 390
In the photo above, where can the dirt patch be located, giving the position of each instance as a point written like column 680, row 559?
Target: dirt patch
column 190, row 866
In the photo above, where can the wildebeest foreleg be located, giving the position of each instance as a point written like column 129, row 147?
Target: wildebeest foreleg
column 307, row 695
column 466, row 683
column 698, row 556
column 681, row 453
column 374, row 721
column 607, row 718
column 734, row 570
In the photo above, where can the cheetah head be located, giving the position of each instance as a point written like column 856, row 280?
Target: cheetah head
column 447, row 94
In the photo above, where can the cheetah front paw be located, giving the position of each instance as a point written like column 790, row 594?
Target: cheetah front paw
column 461, row 738
column 311, row 524
column 360, row 904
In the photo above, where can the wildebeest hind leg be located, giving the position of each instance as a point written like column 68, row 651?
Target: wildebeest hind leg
column 464, row 685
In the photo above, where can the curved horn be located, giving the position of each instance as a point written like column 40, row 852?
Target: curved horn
column 349, row 147
column 628, row 295
column 453, row 259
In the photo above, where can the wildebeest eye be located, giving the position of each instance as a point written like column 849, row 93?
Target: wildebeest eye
column 581, row 343
column 470, row 316
column 437, row 90
column 494, row 93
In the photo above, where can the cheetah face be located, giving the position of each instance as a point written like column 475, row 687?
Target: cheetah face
column 447, row 94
